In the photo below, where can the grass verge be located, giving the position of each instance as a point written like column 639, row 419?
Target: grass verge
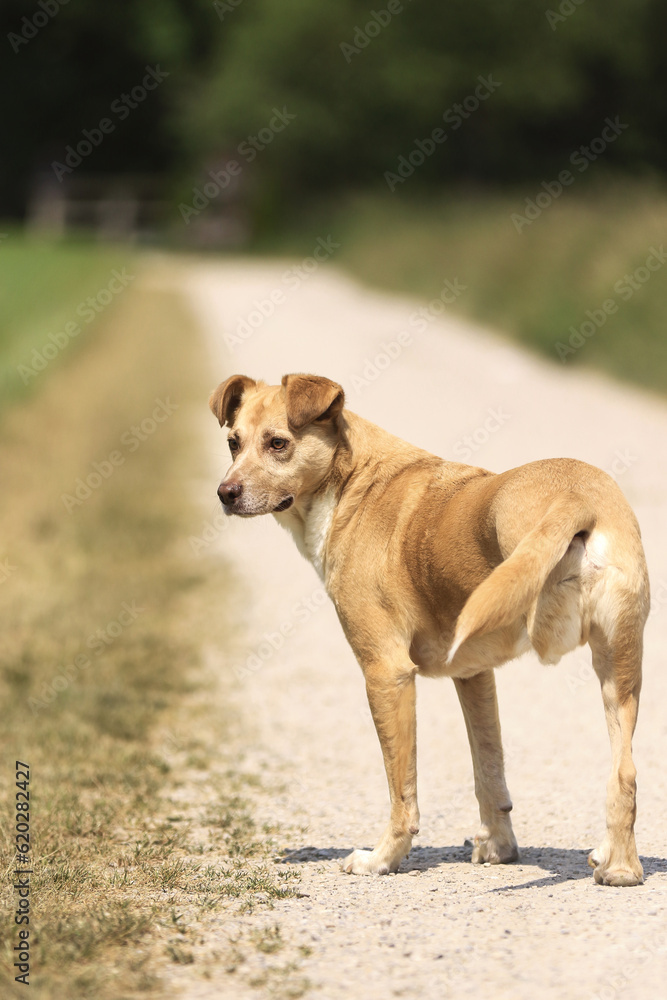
column 544, row 282
column 51, row 294
column 135, row 838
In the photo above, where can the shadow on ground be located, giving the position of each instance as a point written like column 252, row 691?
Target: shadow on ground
column 562, row 864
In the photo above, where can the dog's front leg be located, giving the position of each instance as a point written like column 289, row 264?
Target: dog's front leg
column 391, row 696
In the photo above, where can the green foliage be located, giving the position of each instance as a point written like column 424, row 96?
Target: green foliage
column 364, row 84
column 360, row 107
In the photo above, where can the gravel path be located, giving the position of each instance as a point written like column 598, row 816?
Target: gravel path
column 440, row 927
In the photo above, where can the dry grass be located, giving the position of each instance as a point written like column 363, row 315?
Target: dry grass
column 137, row 838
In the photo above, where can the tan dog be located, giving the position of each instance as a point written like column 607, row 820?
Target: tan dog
column 440, row 568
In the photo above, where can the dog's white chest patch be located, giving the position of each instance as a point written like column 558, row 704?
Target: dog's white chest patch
column 311, row 534
column 317, row 528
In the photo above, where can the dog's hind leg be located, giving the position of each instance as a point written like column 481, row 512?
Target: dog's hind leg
column 495, row 841
column 618, row 665
column 391, row 696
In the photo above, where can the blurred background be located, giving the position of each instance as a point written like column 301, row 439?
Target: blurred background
column 428, row 139
column 505, row 157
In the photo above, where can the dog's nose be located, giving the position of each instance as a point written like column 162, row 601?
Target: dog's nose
column 229, row 492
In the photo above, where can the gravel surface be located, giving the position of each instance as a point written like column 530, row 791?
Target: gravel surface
column 441, row 927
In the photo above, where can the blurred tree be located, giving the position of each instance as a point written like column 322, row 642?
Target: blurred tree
column 66, row 61
column 364, row 82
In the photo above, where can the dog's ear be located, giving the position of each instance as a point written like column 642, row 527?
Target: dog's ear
column 310, row 399
column 226, row 399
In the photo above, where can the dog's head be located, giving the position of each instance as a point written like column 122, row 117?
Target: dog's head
column 282, row 438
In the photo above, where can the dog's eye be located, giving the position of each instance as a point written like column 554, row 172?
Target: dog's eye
column 233, row 445
column 278, row 444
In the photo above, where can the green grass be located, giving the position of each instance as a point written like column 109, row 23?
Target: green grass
column 43, row 287
column 533, row 285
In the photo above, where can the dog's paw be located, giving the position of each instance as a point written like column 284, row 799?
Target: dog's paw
column 494, row 851
column 608, row 872
column 367, row 863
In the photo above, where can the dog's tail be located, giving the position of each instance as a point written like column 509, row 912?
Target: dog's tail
column 511, row 587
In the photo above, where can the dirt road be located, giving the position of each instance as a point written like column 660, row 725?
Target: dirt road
column 440, row 927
